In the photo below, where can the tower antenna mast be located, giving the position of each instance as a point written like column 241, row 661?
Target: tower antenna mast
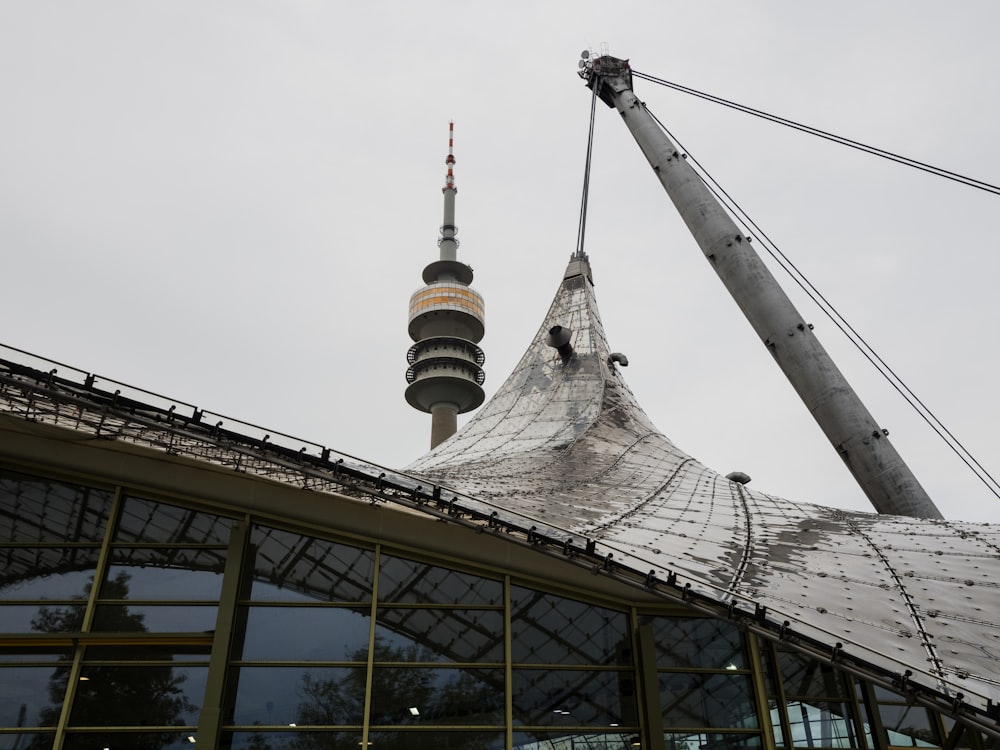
column 447, row 322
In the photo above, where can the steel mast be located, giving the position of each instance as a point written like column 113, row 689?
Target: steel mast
column 850, row 428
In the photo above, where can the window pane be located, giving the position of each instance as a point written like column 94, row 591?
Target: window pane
column 47, row 572
column 305, row 634
column 291, row 741
column 32, row 696
column 415, row 740
column 457, row 635
column 33, row 741
column 707, row 700
column 177, row 740
column 405, row 581
column 569, row 739
column 908, row 725
column 967, row 737
column 41, row 510
column 291, row 567
column 421, row 695
column 118, row 618
column 164, row 574
column 808, row 678
column 41, row 618
column 821, row 724
column 44, row 654
column 547, row 629
column 697, row 643
column 159, row 523
column 574, row 698
column 683, row 741
column 299, row 695
column 161, row 695
column 148, row 652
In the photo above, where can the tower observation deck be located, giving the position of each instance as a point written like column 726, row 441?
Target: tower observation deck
column 446, row 322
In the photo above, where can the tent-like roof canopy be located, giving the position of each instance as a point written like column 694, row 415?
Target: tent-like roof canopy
column 564, row 444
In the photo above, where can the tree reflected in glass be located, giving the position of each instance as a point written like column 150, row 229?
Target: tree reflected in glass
column 400, row 696
column 113, row 695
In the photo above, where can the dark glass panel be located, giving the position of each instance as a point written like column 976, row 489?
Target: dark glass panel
column 291, row 741
column 33, row 509
column 291, row 567
column 151, row 522
column 32, row 696
column 27, row 741
column 822, row 724
column 46, row 572
column 456, row 635
column 574, row 698
column 697, row 643
column 569, row 739
column 298, row 695
column 417, row 740
column 707, row 700
column 965, row 740
column 148, row 652
column 305, row 634
column 404, row 581
column 176, row 740
column 161, row 695
column 422, row 695
column 704, row 741
column 804, row 677
column 41, row 618
column 164, row 574
column 908, row 725
column 548, row 629
column 13, row 654
column 153, row 618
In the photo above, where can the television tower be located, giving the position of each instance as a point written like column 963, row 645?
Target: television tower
column 447, row 323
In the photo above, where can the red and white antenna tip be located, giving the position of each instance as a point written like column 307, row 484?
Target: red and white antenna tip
column 450, row 161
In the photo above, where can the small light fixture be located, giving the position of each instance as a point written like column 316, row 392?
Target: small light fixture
column 84, row 678
column 292, row 724
column 414, row 711
column 191, row 739
column 730, row 665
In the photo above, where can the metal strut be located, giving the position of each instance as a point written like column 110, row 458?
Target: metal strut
column 849, row 426
column 582, row 227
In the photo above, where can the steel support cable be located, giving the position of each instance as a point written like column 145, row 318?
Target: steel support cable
column 873, row 150
column 859, row 342
column 582, row 226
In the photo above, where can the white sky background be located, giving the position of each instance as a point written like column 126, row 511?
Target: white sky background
column 230, row 203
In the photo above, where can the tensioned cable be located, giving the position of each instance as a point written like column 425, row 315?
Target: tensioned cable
column 875, row 151
column 582, row 227
column 841, row 323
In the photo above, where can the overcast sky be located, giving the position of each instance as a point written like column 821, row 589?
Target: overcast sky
column 230, row 203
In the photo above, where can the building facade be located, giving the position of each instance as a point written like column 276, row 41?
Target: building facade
column 557, row 575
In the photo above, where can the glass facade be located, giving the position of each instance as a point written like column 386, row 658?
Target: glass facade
column 132, row 622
